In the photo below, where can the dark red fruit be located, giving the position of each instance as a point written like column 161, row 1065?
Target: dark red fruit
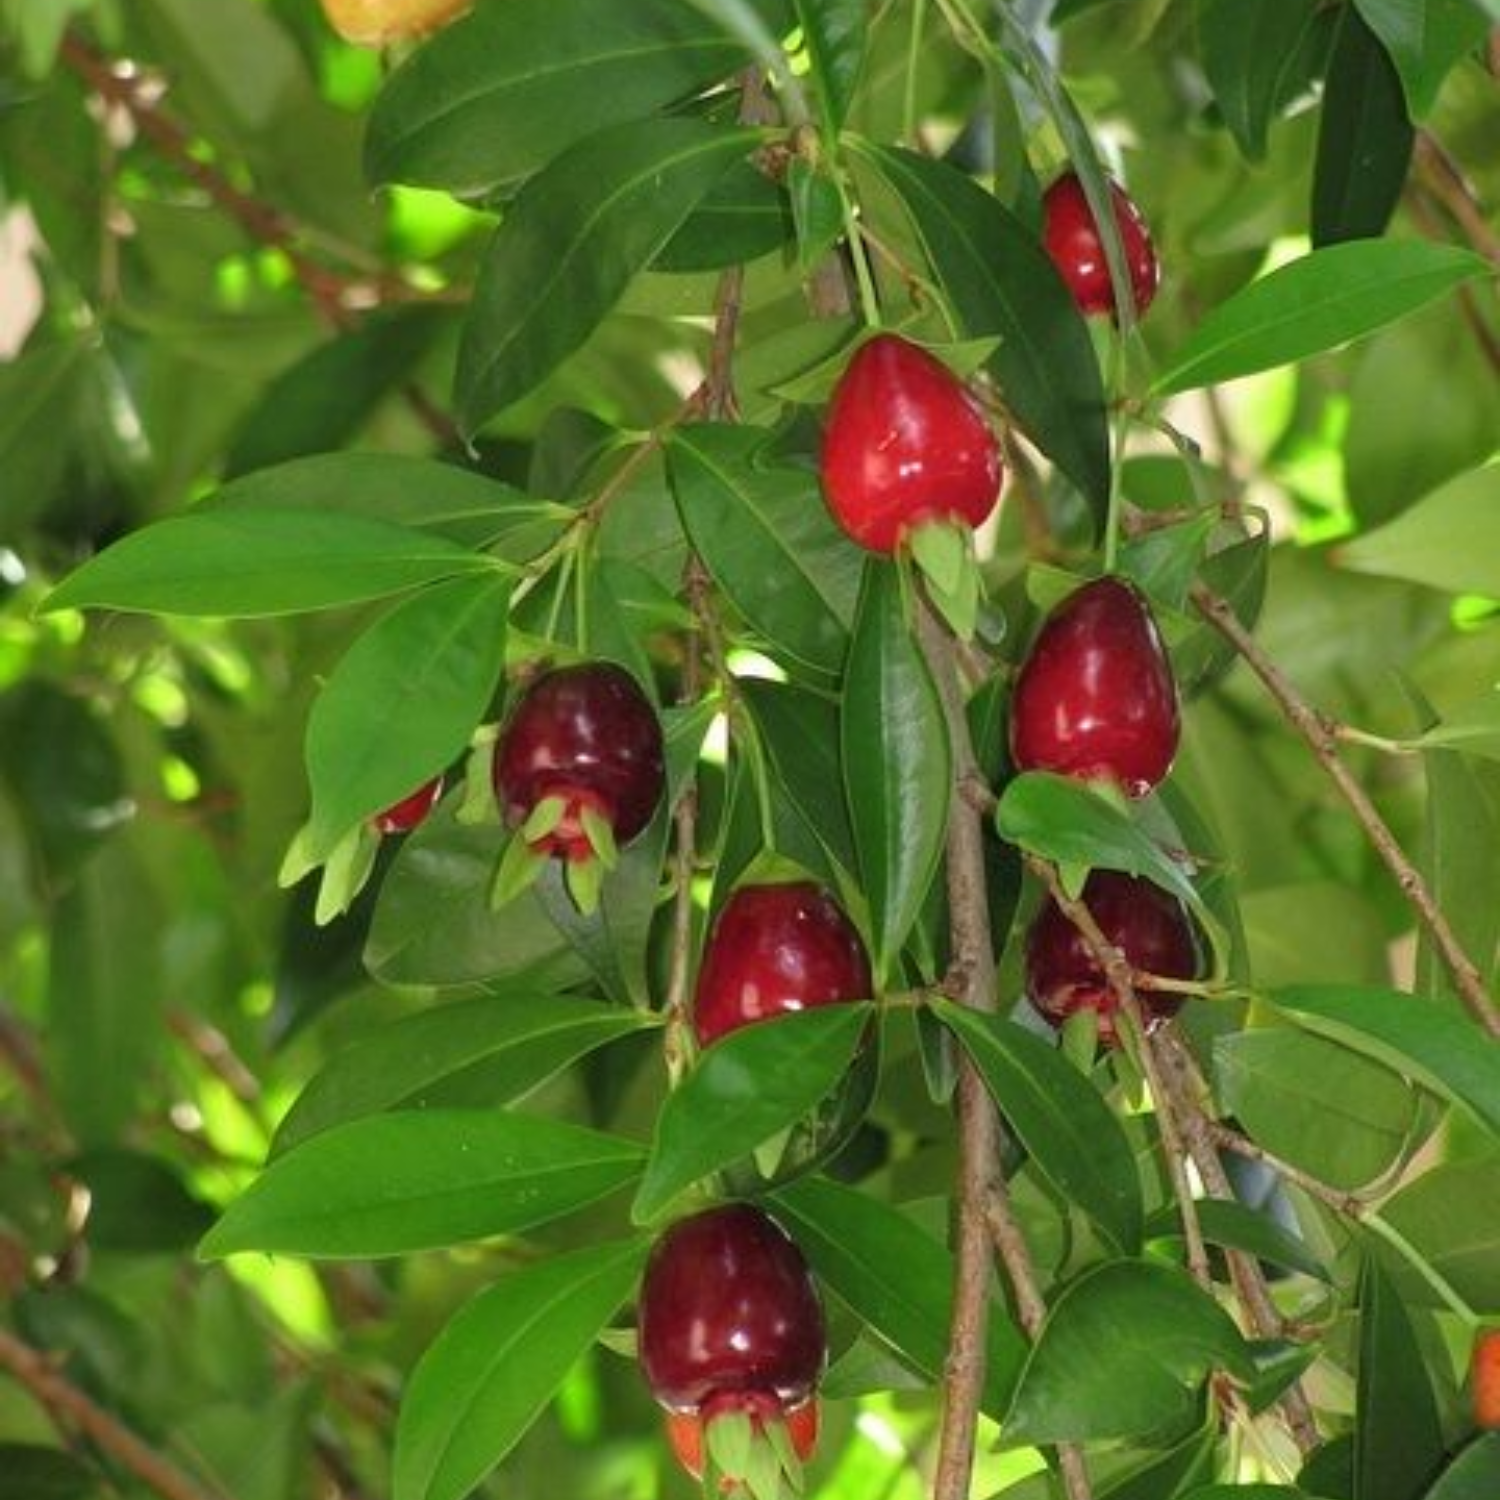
column 728, row 1311
column 1071, row 234
column 403, row 816
column 905, row 443
column 1095, row 698
column 588, row 736
column 685, row 1430
column 774, row 949
column 1144, row 922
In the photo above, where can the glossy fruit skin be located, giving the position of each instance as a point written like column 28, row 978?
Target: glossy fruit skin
column 728, row 1308
column 403, row 816
column 374, row 23
column 1095, row 697
column 588, row 735
column 1149, row 926
column 1485, row 1380
column 775, row 949
column 685, row 1429
column 1071, row 235
column 905, row 443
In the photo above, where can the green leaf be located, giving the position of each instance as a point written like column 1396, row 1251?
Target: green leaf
column 39, row 397
column 897, row 763
column 1440, row 1049
column 1316, row 303
column 1425, row 40
column 1248, row 1492
column 494, row 1368
column 1449, row 540
column 260, row 562
column 502, row 92
column 1168, row 1474
column 1365, row 139
column 36, row 1473
column 895, row 1277
column 1123, row 1354
column 1398, row 1437
column 138, row 1204
column 1473, row 1475
column 1236, row 1227
column 766, row 536
column 1448, row 1214
column 388, row 1184
column 833, row 31
column 1473, row 727
column 1059, row 1118
column 744, row 1088
column 1001, row 283
column 403, row 702
column 742, row 217
column 497, row 1048
column 570, row 244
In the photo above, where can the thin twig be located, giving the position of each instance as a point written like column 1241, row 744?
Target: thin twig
column 1441, row 176
column 42, row 1377
column 1321, row 736
column 1351, row 1205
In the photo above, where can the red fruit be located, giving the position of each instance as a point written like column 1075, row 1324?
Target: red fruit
column 1485, row 1375
column 774, row 949
column 1146, row 924
column 1095, row 698
column 403, row 816
column 588, row 736
column 905, row 443
column 1071, row 234
column 685, row 1429
column 728, row 1309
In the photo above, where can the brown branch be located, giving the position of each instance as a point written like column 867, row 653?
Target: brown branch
column 41, row 1376
column 985, row 1222
column 1441, row 176
column 1421, row 202
column 1321, row 736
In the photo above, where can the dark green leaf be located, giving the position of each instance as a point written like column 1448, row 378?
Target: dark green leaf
column 1448, row 1214
column 743, row 216
column 1236, row 1227
column 833, row 31
column 495, row 1367
column 897, row 763
column 501, row 1045
column 1365, row 139
column 1169, row 1476
column 33, row 1473
column 745, row 1088
column 260, row 562
column 1001, row 284
column 138, row 1204
column 419, row 1180
column 1473, row 1475
column 403, row 702
column 39, row 397
column 1248, row 1492
column 570, row 244
column 893, row 1276
column 1313, row 304
column 1059, row 1118
column 1425, row 39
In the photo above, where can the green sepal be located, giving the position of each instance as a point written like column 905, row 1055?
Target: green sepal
column 944, row 554
column 479, row 804
column 544, row 818
column 771, row 1152
column 519, row 866
column 778, row 1436
column 727, row 1439
column 600, row 833
column 764, row 1477
column 1080, row 1038
column 1073, row 876
column 345, row 872
column 584, row 879
column 298, row 860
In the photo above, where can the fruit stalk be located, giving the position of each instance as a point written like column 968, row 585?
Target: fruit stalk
column 1322, row 740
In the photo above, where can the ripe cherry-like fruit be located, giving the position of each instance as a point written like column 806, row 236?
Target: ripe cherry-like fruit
column 374, row 23
column 1071, row 235
column 403, row 816
column 1095, row 697
column 1144, row 922
column 905, row 444
column 1485, row 1380
column 685, row 1432
column 774, row 949
column 729, row 1314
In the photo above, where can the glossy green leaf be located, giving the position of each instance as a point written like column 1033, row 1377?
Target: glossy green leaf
column 403, row 702
column 765, row 534
column 742, row 217
column 1169, row 1475
column 1398, row 1437
column 1060, row 1119
column 499, row 1047
column 1315, row 303
column 743, row 1089
column 1364, row 141
column 1123, row 1353
column 1438, row 1048
column 834, row 33
column 570, row 244
column 1233, row 1226
column 1425, row 40
column 895, row 1277
column 1000, row 283
column 495, row 1367
column 419, row 1180
column 1473, row 1475
column 260, row 562
column 897, row 763
column 1449, row 540
column 1448, row 1214
column 503, row 91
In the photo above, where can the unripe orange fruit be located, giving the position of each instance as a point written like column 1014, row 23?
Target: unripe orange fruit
column 1485, row 1375
column 374, row 23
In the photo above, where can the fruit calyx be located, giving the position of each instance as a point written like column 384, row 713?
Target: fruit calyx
column 1095, row 698
column 1071, row 235
column 1149, row 926
column 752, row 1443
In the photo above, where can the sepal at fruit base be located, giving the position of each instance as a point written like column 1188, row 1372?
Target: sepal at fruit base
column 479, row 805
column 517, row 870
column 944, row 554
column 744, row 1457
column 346, row 870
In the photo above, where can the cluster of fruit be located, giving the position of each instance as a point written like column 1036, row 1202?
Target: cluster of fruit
column 730, row 1327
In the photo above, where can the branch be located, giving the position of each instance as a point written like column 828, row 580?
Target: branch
column 1439, row 174
column 1321, row 736
column 37, row 1372
column 985, row 1221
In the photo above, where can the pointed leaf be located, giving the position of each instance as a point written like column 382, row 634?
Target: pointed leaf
column 833, row 31
column 1425, row 40
column 1473, row 1475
